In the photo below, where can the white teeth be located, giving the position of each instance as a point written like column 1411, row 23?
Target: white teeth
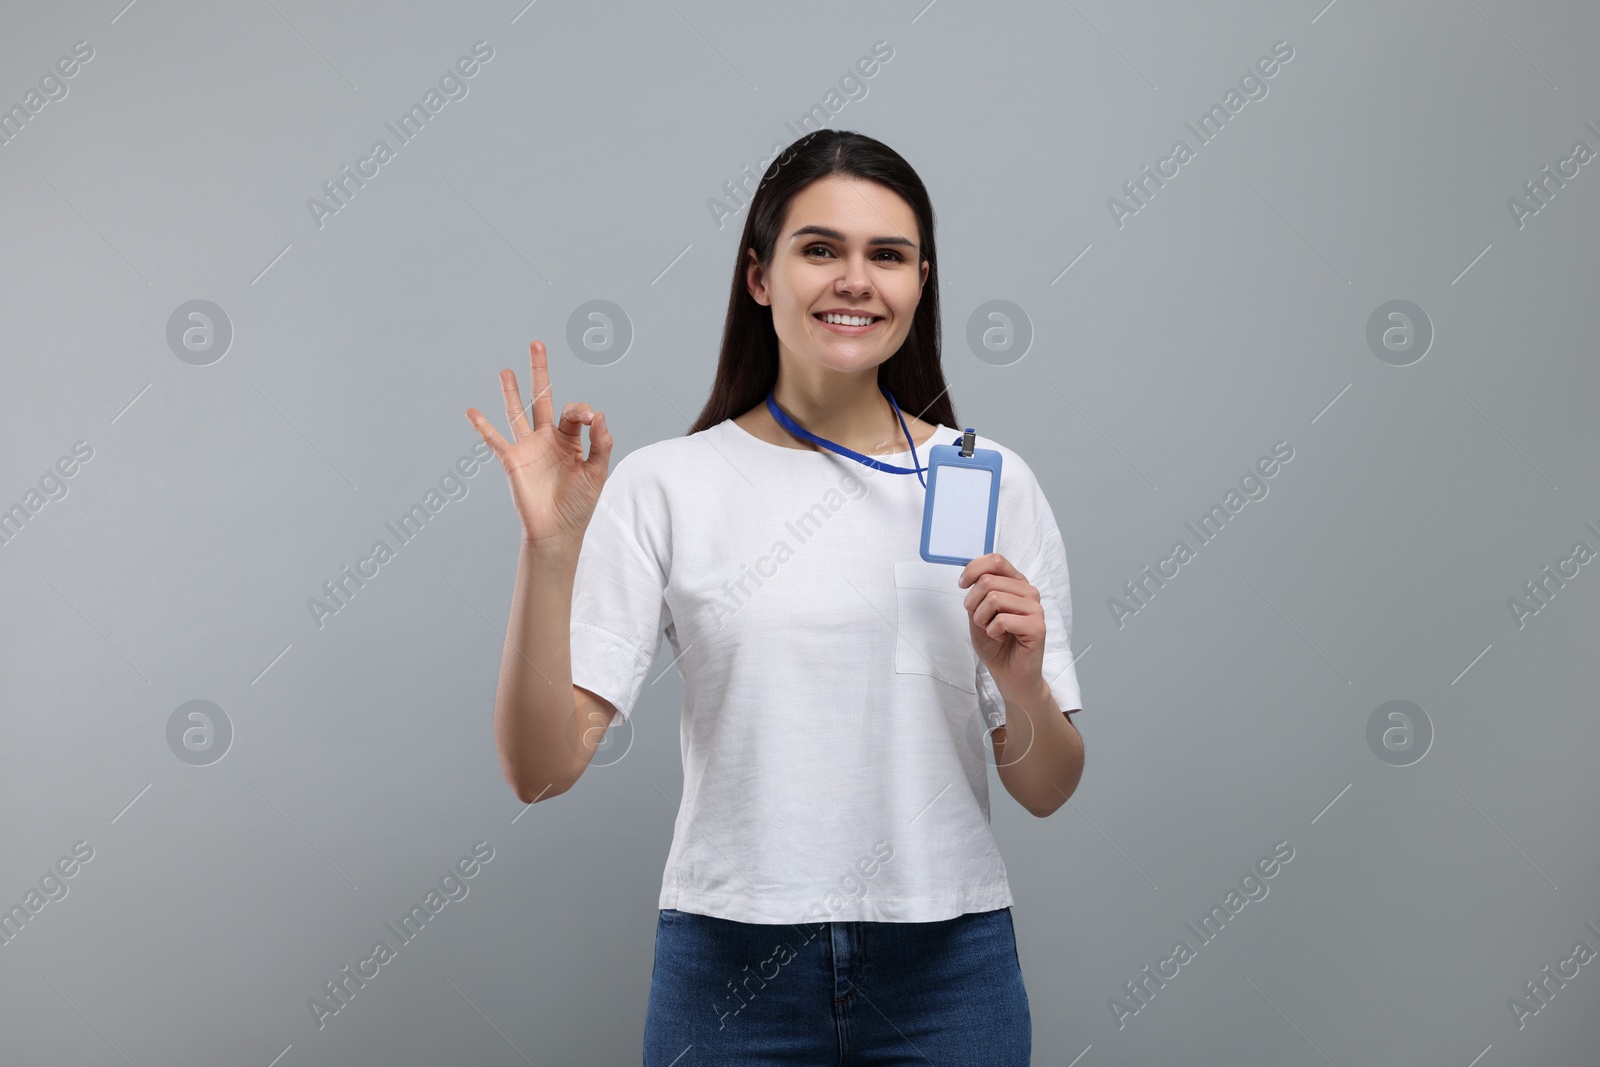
column 848, row 320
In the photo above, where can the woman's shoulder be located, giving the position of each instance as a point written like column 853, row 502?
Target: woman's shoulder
column 658, row 461
column 1021, row 491
column 1010, row 460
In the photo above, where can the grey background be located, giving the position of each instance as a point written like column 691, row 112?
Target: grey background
column 1228, row 714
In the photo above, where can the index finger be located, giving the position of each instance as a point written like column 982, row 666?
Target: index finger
column 993, row 563
column 543, row 408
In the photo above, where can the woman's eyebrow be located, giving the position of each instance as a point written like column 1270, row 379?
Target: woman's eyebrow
column 835, row 235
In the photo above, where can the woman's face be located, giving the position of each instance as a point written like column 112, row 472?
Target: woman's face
column 846, row 245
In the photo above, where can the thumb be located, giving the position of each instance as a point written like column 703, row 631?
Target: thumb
column 600, row 441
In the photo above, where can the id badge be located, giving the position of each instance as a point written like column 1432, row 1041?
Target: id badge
column 958, row 513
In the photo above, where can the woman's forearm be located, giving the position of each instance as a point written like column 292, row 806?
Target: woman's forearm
column 1039, row 753
column 536, row 728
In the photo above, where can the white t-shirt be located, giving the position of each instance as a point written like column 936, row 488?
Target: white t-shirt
column 833, row 720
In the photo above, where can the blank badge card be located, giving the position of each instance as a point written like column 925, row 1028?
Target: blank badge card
column 958, row 514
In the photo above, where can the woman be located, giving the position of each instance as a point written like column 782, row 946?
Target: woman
column 833, row 893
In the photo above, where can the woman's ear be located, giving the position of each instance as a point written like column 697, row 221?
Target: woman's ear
column 754, row 282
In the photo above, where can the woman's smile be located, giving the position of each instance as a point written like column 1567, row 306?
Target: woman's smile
column 847, row 330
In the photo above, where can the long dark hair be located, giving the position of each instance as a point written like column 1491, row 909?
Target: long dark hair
column 747, row 368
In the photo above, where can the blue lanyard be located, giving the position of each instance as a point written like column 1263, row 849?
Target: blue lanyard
column 800, row 431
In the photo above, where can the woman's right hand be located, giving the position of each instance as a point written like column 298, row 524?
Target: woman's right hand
column 554, row 487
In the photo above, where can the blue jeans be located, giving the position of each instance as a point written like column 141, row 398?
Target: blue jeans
column 845, row 994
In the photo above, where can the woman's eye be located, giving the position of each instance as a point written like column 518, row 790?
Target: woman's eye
column 897, row 257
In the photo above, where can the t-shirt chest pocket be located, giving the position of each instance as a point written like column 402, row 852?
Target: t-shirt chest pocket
column 934, row 636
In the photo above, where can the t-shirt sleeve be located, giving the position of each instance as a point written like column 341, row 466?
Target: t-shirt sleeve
column 1046, row 570
column 619, row 608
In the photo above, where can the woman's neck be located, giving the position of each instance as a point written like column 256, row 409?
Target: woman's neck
column 854, row 414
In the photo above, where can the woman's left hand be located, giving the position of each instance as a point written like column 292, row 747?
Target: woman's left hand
column 1006, row 622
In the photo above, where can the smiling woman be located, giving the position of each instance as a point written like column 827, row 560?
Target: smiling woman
column 847, row 291
column 850, row 698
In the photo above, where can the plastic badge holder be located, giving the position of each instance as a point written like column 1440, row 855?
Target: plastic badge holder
column 958, row 513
